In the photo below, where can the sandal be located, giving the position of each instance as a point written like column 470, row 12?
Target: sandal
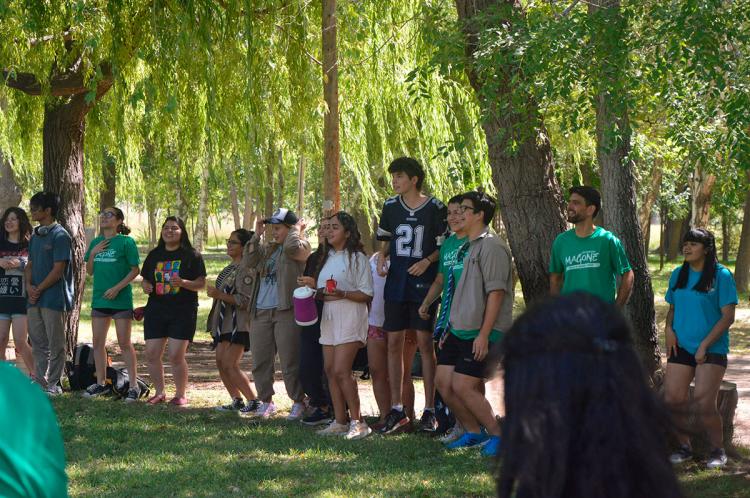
column 182, row 401
column 156, row 399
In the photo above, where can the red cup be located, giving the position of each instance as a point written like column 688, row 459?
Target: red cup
column 331, row 285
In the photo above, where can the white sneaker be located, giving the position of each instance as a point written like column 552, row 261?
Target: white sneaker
column 717, row 459
column 452, row 434
column 334, row 429
column 266, row 410
column 358, row 430
column 298, row 409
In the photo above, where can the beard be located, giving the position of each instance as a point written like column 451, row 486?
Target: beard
column 575, row 218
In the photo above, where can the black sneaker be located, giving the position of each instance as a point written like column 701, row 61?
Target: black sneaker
column 428, row 422
column 95, row 390
column 317, row 417
column 396, row 421
column 250, row 408
column 717, row 459
column 683, row 454
column 236, row 405
column 133, row 395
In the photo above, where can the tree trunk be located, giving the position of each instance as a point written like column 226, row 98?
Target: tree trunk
column 63, row 136
column 647, row 207
column 701, row 186
column 529, row 195
column 617, row 180
column 201, row 224
column 248, row 212
column 108, row 191
column 726, row 238
column 331, row 146
column 10, row 191
column 269, row 185
column 742, row 269
column 301, row 185
column 675, row 231
column 280, row 187
column 153, row 228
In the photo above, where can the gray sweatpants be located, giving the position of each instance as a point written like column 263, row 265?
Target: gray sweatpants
column 47, row 334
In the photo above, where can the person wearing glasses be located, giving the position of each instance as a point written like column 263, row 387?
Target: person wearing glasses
column 112, row 259
column 15, row 231
column 229, row 323
column 49, row 287
column 173, row 273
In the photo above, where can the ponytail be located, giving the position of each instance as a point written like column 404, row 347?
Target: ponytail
column 123, row 229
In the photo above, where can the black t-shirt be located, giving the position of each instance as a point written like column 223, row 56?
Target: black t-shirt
column 414, row 234
column 159, row 268
column 12, row 294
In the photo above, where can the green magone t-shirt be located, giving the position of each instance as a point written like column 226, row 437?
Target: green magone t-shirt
column 32, row 457
column 110, row 267
column 589, row 264
column 449, row 263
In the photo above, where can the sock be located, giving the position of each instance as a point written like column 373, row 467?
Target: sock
column 399, row 408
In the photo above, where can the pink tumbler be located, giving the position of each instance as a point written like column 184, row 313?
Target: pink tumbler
column 305, row 310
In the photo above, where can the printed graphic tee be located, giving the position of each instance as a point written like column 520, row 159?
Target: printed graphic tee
column 110, row 267
column 589, row 264
column 414, row 234
column 161, row 266
column 12, row 289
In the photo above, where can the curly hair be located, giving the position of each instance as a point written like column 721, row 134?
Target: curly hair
column 353, row 242
column 24, row 225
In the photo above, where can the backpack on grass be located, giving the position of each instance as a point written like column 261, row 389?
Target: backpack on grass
column 82, row 370
column 120, row 382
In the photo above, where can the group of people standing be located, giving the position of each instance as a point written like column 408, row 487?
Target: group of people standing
column 442, row 283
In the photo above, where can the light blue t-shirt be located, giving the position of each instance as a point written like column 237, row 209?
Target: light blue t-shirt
column 44, row 251
column 268, row 293
column 695, row 313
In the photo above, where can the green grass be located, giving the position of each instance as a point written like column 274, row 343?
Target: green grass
column 117, row 450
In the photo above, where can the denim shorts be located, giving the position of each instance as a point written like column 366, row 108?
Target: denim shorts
column 11, row 316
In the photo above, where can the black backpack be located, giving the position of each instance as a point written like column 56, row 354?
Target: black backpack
column 81, row 371
column 120, row 382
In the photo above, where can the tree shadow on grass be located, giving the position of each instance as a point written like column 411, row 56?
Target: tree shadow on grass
column 115, row 449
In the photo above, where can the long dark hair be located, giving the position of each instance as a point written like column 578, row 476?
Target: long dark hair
column 318, row 257
column 122, row 228
column 701, row 236
column 244, row 235
column 581, row 419
column 184, row 238
column 24, row 225
column 353, row 242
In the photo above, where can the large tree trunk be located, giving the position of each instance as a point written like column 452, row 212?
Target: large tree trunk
column 676, row 229
column 10, row 191
column 529, row 195
column 742, row 270
column 248, row 213
column 280, row 186
column 108, row 191
column 233, row 196
column 331, row 146
column 269, row 184
column 618, row 183
column 201, row 224
column 701, row 186
column 726, row 237
column 62, row 134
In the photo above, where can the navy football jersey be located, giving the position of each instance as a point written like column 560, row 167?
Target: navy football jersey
column 414, row 234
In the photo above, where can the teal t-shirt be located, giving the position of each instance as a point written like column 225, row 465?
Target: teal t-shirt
column 110, row 267
column 32, row 456
column 447, row 262
column 589, row 264
column 695, row 313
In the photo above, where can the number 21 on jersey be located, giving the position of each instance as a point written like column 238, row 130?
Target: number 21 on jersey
column 409, row 241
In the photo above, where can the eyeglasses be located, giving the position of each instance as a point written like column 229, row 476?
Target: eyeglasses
column 465, row 208
column 231, row 242
column 107, row 214
column 171, row 229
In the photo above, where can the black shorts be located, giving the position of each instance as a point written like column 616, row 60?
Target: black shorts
column 238, row 338
column 405, row 315
column 457, row 353
column 174, row 323
column 111, row 313
column 683, row 357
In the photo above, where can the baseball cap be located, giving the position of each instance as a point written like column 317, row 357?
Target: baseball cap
column 282, row 215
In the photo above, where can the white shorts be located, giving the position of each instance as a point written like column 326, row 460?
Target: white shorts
column 343, row 321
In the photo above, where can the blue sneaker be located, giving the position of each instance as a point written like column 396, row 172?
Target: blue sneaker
column 467, row 440
column 492, row 447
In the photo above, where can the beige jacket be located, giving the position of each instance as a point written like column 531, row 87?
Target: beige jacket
column 291, row 264
column 245, row 291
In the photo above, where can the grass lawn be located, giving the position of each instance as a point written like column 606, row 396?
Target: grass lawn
column 115, row 450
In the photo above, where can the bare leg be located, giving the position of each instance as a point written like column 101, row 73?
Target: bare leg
column 343, row 358
column 222, row 363
column 4, row 337
column 99, row 329
column 707, row 383
column 410, row 349
column 337, row 397
column 427, row 350
column 676, row 388
column 176, row 350
column 377, row 358
column 396, row 365
column 237, row 377
column 468, row 391
column 20, row 339
column 123, row 328
column 154, row 352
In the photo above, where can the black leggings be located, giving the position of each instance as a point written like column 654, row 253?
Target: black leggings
column 311, row 372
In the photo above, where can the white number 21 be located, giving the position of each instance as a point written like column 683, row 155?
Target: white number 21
column 409, row 241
